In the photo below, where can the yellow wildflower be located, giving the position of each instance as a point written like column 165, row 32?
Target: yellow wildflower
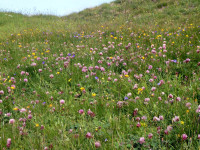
column 82, row 88
column 15, row 108
column 126, row 75
column 93, row 94
column 140, row 90
column 12, row 87
column 143, row 125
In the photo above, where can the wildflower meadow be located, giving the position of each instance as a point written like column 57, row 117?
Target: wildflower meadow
column 105, row 83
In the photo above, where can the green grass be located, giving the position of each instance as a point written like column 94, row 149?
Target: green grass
column 141, row 14
column 71, row 53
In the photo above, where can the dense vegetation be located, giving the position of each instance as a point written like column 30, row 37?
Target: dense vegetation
column 124, row 75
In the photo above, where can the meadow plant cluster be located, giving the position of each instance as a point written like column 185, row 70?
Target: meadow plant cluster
column 106, row 89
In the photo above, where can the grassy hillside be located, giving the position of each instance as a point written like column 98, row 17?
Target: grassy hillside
column 144, row 14
column 136, row 14
column 124, row 75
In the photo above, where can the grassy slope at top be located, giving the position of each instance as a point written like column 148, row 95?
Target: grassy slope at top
column 12, row 23
column 137, row 14
column 143, row 14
